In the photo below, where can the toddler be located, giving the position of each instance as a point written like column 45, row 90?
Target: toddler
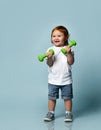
column 60, row 75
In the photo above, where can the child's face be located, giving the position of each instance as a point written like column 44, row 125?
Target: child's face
column 58, row 38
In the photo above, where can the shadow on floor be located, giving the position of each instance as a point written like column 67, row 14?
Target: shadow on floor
column 88, row 103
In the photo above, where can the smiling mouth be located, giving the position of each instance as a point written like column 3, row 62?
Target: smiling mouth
column 56, row 41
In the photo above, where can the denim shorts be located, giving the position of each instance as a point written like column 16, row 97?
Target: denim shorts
column 66, row 91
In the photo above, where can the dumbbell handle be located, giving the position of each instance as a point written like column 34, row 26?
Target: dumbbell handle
column 71, row 43
column 42, row 57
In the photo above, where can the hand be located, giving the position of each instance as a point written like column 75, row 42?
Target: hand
column 68, row 49
column 49, row 54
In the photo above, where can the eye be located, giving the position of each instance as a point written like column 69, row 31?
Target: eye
column 53, row 36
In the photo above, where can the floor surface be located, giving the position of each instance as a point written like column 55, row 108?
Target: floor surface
column 28, row 115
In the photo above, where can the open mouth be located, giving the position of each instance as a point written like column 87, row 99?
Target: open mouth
column 56, row 41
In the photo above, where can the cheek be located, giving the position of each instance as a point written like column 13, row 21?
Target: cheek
column 63, row 40
column 52, row 40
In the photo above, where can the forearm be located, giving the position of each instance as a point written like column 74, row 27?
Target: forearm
column 70, row 58
column 50, row 61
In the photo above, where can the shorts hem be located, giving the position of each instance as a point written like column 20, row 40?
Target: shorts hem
column 66, row 98
column 52, row 98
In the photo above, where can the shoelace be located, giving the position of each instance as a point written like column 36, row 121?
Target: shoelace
column 68, row 115
column 49, row 114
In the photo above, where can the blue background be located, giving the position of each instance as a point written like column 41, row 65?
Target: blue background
column 25, row 28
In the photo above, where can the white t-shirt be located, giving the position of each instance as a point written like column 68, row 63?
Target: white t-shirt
column 60, row 72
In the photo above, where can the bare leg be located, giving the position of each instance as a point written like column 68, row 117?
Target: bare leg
column 51, row 105
column 68, row 105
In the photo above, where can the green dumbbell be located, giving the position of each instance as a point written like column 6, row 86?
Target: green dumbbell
column 42, row 57
column 71, row 43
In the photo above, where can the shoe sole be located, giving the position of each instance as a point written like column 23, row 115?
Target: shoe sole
column 68, row 120
column 47, row 119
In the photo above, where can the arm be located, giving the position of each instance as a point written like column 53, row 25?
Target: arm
column 70, row 55
column 50, row 59
column 70, row 58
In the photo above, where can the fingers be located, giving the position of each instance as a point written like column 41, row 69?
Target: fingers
column 68, row 48
column 49, row 54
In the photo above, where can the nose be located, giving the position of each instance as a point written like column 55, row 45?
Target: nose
column 56, row 38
